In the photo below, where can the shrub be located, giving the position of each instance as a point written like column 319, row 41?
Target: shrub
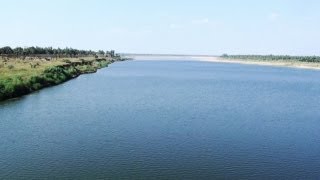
column 10, row 66
column 2, row 91
column 66, row 61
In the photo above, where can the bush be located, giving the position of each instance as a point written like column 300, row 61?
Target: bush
column 66, row 61
column 10, row 66
column 13, row 87
column 2, row 91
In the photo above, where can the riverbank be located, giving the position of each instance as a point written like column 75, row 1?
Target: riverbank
column 279, row 63
column 21, row 77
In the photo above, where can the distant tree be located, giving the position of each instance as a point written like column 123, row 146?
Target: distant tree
column 101, row 52
column 18, row 51
column 30, row 50
column 66, row 52
column 48, row 50
column 112, row 53
column 6, row 50
column 275, row 57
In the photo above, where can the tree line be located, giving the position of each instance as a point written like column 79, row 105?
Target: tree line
column 49, row 51
column 274, row 57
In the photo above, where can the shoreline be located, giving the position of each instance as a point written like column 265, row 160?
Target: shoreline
column 289, row 64
column 217, row 59
column 15, row 86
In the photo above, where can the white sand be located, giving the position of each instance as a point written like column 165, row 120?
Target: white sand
column 216, row 59
column 301, row 65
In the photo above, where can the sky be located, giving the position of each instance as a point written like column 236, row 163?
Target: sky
column 207, row 27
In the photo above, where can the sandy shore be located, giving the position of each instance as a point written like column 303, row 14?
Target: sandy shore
column 300, row 65
column 216, row 59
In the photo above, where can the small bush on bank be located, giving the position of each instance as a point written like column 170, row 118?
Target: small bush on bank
column 66, row 61
column 10, row 66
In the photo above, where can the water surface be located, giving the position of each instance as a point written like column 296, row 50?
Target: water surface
column 167, row 120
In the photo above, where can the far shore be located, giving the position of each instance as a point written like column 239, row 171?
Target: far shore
column 217, row 59
column 292, row 64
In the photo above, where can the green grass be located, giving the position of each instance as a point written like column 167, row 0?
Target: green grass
column 19, row 77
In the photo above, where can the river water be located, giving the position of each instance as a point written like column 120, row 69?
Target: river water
column 167, row 120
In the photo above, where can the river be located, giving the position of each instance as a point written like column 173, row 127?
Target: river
column 167, row 120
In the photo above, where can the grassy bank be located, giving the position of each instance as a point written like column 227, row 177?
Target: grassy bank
column 21, row 77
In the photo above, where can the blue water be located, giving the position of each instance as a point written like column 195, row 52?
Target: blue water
column 167, row 120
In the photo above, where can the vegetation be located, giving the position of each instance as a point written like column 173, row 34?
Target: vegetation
column 50, row 52
column 311, row 59
column 23, row 70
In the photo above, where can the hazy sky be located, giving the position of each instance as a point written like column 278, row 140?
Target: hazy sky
column 165, row 26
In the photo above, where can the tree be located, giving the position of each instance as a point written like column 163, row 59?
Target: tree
column 101, row 52
column 70, row 52
column 18, row 51
column 6, row 50
column 110, row 53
